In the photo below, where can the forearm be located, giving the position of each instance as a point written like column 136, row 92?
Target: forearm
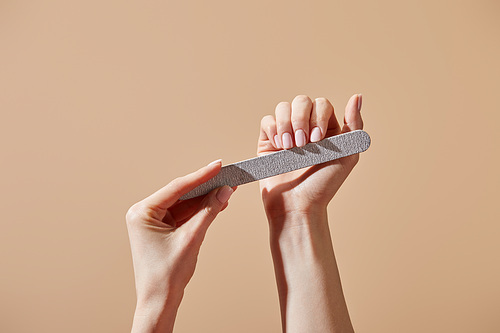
column 156, row 314
column 309, row 287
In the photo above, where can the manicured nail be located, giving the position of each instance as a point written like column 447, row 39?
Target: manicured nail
column 300, row 138
column 223, row 194
column 315, row 134
column 277, row 141
column 287, row 141
column 219, row 161
column 360, row 102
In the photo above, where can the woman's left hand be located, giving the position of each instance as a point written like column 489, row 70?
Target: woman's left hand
column 165, row 238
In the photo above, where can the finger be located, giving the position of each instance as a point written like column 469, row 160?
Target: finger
column 352, row 117
column 322, row 117
column 283, row 124
column 212, row 204
column 227, row 203
column 169, row 194
column 184, row 209
column 301, row 113
column 268, row 132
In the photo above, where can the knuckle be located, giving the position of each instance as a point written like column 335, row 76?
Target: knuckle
column 210, row 211
column 323, row 104
column 266, row 121
column 302, row 99
column 283, row 126
column 135, row 213
column 322, row 119
column 300, row 119
column 324, row 116
column 175, row 182
column 282, row 106
column 175, row 185
column 212, row 206
column 270, row 129
column 322, row 101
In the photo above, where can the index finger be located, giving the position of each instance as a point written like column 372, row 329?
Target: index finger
column 170, row 193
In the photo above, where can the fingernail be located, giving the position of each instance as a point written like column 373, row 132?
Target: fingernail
column 223, row 194
column 315, row 134
column 219, row 161
column 300, row 138
column 287, row 141
column 360, row 102
column 277, row 141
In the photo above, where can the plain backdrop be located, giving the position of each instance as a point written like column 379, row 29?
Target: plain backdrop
column 104, row 102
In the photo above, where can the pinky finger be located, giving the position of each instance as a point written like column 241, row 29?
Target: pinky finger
column 269, row 132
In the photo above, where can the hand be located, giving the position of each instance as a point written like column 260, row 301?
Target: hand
column 165, row 238
column 296, row 124
column 307, row 277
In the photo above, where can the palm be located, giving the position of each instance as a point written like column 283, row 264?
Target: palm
column 311, row 187
column 315, row 184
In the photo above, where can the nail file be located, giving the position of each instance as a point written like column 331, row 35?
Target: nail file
column 283, row 161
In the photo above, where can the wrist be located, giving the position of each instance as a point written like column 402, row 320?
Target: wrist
column 281, row 205
column 302, row 254
column 287, row 223
column 300, row 238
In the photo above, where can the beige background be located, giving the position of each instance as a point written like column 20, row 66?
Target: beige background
column 103, row 102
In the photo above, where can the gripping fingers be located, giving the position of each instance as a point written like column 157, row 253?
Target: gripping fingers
column 269, row 131
column 322, row 119
column 283, row 124
column 305, row 121
column 211, row 205
column 301, row 113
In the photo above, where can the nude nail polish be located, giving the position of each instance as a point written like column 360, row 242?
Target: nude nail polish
column 360, row 102
column 277, row 142
column 287, row 141
column 315, row 134
column 300, row 138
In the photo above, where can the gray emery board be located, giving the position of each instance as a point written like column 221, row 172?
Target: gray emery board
column 283, row 161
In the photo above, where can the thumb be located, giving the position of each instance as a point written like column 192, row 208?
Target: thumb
column 352, row 118
column 213, row 203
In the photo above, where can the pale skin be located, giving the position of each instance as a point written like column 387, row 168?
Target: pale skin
column 166, row 234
